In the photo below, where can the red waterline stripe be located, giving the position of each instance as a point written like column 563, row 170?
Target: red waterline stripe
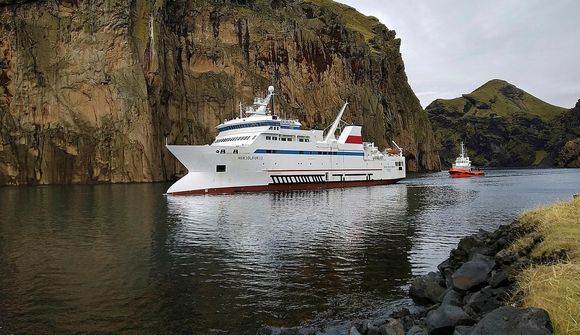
column 286, row 187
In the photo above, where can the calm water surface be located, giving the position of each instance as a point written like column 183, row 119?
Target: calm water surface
column 127, row 259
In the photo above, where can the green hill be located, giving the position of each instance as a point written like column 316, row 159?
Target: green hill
column 502, row 125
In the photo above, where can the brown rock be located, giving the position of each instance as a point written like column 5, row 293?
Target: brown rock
column 90, row 90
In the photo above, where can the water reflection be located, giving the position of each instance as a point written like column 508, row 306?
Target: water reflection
column 295, row 255
column 127, row 259
column 64, row 258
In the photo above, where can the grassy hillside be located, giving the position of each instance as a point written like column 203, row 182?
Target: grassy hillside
column 353, row 20
column 504, row 99
column 501, row 125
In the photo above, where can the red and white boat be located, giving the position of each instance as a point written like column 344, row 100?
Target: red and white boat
column 261, row 152
column 462, row 167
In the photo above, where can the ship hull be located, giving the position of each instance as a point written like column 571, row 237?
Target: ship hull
column 287, row 187
column 464, row 173
column 251, row 169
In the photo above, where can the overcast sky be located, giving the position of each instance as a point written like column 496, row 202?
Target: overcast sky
column 451, row 47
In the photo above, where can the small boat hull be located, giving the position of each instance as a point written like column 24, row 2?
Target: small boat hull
column 464, row 173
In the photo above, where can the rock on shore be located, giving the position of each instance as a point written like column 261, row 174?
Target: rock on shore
column 468, row 295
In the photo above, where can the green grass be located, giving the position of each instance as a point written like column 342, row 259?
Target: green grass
column 455, row 105
column 491, row 93
column 555, row 284
column 540, row 156
column 353, row 20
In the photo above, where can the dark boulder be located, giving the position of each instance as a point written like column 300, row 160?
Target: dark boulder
column 286, row 331
column 446, row 270
column 509, row 320
column 427, row 289
column 475, row 244
column 505, row 256
column 417, row 330
column 353, row 331
column 444, row 319
column 408, row 321
column 462, row 330
column 499, row 278
column 485, row 300
column 373, row 330
column 392, row 327
column 473, row 273
column 453, row 297
column 400, row 313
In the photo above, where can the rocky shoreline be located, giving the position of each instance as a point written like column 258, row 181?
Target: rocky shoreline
column 470, row 294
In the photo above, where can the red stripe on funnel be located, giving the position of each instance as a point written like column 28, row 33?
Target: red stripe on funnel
column 354, row 139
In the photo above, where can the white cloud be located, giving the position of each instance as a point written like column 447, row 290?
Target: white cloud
column 451, row 47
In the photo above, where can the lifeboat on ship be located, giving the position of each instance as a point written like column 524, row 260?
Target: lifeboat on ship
column 462, row 167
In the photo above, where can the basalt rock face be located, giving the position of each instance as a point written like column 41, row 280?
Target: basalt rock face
column 90, row 90
column 567, row 137
column 503, row 125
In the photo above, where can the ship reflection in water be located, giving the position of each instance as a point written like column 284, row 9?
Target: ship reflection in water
column 290, row 256
column 115, row 259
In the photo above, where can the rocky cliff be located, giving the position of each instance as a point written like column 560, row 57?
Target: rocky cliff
column 566, row 135
column 503, row 125
column 90, row 90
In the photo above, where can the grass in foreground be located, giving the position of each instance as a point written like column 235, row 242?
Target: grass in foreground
column 554, row 286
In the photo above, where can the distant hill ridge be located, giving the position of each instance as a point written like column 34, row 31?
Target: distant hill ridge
column 503, row 125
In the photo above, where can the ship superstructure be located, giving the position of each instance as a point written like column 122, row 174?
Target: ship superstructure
column 462, row 166
column 261, row 152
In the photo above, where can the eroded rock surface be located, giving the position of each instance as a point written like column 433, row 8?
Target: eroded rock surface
column 90, row 90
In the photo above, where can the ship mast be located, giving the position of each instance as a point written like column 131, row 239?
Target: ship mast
column 335, row 124
column 263, row 103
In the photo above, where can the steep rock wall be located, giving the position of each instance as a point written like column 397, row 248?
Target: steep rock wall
column 90, row 90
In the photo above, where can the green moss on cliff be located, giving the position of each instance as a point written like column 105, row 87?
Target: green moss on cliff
column 354, row 20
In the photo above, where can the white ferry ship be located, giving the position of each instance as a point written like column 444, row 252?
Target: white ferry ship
column 261, row 152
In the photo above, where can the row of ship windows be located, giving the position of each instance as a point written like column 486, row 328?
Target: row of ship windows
column 398, row 163
column 230, row 139
column 331, row 153
column 248, row 125
column 286, row 139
